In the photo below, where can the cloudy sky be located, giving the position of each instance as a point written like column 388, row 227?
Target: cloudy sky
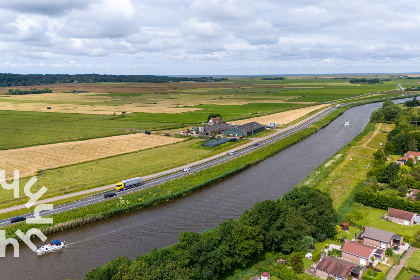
column 209, row 37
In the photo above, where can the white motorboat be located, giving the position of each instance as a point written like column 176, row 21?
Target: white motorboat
column 52, row 247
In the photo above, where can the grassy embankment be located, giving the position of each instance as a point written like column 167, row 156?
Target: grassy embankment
column 173, row 189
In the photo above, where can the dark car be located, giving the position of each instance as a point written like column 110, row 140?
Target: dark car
column 147, row 132
column 256, row 144
column 17, row 219
column 110, row 195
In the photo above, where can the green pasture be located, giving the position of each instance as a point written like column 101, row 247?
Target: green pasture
column 228, row 113
column 414, row 260
column 22, row 129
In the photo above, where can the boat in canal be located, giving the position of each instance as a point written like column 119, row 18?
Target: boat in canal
column 52, row 247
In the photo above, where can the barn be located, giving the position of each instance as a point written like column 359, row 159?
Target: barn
column 245, row 130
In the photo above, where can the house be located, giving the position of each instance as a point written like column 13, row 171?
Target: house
column 403, row 160
column 245, row 130
column 337, row 268
column 411, row 153
column 265, row 276
column 360, row 253
column 214, row 121
column 415, row 194
column 380, row 238
column 401, row 217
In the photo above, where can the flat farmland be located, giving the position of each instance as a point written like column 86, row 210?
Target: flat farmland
column 32, row 159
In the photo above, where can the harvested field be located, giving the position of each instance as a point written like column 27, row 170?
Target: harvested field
column 283, row 117
column 32, row 159
column 91, row 109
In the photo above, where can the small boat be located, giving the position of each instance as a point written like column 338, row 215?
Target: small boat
column 347, row 124
column 52, row 247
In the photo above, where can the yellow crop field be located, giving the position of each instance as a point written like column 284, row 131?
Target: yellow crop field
column 283, row 117
column 32, row 159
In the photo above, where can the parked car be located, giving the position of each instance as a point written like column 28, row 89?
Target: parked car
column 17, row 219
column 186, row 169
column 111, row 194
column 256, row 144
column 233, row 153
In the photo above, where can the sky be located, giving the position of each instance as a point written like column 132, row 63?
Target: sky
column 209, row 37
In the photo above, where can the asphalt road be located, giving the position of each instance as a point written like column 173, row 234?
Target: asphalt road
column 194, row 167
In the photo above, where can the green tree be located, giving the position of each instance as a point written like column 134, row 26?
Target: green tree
column 377, row 116
column 306, row 243
column 297, row 263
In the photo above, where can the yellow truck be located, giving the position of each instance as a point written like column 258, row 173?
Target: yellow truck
column 129, row 183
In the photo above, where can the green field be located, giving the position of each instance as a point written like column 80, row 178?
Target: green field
column 236, row 99
column 414, row 260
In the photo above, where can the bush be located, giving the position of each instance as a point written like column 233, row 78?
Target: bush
column 316, row 256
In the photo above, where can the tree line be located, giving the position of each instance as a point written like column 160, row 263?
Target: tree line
column 365, row 81
column 31, row 91
column 9, row 80
column 290, row 224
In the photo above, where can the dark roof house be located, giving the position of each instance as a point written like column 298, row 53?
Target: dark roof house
column 380, row 238
column 245, row 130
column 333, row 267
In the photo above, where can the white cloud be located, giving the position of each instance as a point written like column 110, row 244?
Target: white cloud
column 236, row 36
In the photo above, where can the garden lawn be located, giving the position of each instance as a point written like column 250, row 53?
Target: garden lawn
column 406, row 275
column 372, row 218
column 414, row 260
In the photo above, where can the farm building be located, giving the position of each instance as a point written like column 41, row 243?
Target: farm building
column 380, row 238
column 360, row 253
column 245, row 130
column 216, row 128
column 337, row 268
column 401, row 217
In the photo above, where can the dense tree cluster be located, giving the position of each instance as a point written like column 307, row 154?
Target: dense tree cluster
column 412, row 103
column 286, row 225
column 9, row 80
column 388, row 113
column 272, row 78
column 31, row 91
column 365, row 81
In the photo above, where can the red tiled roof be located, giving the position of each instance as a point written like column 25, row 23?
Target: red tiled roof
column 358, row 249
column 415, row 192
column 411, row 153
column 397, row 213
column 335, row 266
column 265, row 274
